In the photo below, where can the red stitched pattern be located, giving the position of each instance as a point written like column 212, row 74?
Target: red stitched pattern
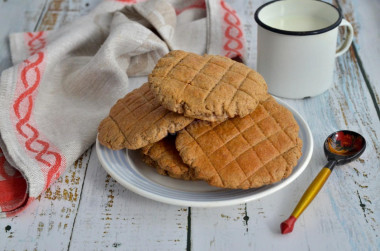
column 30, row 76
column 234, row 44
column 36, row 42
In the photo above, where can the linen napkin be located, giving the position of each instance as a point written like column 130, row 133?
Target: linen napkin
column 64, row 82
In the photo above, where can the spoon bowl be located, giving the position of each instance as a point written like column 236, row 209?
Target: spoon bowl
column 344, row 146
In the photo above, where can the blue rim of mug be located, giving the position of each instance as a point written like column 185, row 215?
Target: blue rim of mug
column 298, row 33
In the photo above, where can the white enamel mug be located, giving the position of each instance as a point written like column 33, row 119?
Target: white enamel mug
column 297, row 46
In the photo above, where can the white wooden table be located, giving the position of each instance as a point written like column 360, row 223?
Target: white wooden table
column 88, row 210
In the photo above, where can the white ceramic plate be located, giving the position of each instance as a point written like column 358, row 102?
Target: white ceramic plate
column 127, row 168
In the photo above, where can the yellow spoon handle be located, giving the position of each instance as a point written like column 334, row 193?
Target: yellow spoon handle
column 311, row 191
column 307, row 197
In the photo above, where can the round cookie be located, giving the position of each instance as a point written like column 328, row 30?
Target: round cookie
column 258, row 149
column 163, row 156
column 138, row 120
column 208, row 87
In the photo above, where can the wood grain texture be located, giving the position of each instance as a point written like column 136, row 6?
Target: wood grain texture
column 111, row 216
column 365, row 19
column 59, row 12
column 87, row 210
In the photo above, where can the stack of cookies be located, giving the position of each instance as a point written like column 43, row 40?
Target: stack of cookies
column 206, row 118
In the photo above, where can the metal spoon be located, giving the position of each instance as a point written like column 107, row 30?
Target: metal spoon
column 340, row 148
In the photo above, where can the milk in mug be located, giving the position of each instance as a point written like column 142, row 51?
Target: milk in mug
column 298, row 23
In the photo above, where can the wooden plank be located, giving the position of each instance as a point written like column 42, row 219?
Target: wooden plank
column 60, row 12
column 345, row 214
column 220, row 228
column 364, row 16
column 111, row 216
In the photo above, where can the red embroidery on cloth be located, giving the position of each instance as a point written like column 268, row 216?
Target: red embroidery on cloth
column 234, row 44
column 30, row 76
column 36, row 43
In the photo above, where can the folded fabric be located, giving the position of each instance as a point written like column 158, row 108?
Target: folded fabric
column 64, row 82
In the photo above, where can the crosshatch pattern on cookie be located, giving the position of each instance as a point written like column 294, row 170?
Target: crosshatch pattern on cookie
column 164, row 156
column 206, row 87
column 138, row 120
column 256, row 150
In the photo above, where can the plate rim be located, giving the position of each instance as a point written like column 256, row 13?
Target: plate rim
column 219, row 203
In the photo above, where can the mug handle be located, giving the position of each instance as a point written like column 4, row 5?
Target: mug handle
column 349, row 32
